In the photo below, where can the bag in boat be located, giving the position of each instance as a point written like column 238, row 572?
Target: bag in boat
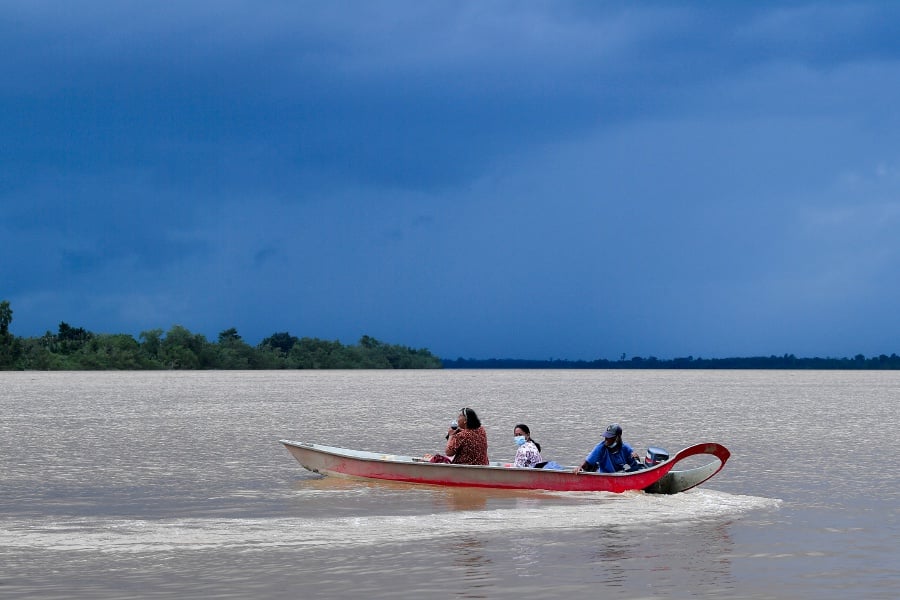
column 551, row 464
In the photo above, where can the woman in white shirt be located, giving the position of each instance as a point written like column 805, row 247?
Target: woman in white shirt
column 529, row 452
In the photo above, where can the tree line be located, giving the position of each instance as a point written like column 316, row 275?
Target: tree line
column 74, row 348
column 786, row 361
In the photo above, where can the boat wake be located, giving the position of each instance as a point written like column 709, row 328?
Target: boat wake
column 528, row 514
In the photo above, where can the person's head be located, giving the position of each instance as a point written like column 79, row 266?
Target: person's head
column 521, row 430
column 612, row 436
column 468, row 419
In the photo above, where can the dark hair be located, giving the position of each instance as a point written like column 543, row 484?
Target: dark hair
column 472, row 421
column 527, row 431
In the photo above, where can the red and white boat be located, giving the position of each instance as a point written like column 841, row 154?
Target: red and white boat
column 659, row 478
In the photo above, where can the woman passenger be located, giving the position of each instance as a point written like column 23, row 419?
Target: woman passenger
column 529, row 452
column 468, row 444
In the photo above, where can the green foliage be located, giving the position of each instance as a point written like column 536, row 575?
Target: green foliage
column 151, row 342
column 71, row 339
column 114, row 351
column 74, row 348
column 182, row 349
column 280, row 341
column 5, row 317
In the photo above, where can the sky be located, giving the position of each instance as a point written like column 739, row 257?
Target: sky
column 484, row 179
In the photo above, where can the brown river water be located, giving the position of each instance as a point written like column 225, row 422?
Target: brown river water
column 174, row 485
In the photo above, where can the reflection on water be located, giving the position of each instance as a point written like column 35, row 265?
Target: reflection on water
column 611, row 555
column 459, row 499
column 467, row 554
column 620, row 558
column 441, row 499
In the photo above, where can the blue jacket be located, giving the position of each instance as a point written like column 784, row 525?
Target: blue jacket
column 610, row 462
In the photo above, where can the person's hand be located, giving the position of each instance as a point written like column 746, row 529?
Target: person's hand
column 577, row 470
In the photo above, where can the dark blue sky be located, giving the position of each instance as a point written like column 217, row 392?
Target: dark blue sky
column 485, row 179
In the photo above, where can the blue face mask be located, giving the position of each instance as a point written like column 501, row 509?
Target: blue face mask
column 519, row 440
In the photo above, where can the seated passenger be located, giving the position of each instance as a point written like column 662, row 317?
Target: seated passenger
column 529, row 452
column 468, row 442
column 611, row 455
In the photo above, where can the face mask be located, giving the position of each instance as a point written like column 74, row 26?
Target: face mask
column 519, row 440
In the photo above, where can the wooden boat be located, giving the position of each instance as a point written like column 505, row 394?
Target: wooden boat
column 660, row 478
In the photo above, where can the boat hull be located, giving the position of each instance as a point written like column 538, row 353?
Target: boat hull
column 330, row 460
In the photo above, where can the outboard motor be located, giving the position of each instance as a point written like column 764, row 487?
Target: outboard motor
column 655, row 456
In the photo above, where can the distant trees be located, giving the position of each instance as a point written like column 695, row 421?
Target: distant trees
column 786, row 361
column 75, row 348
column 112, row 351
column 9, row 346
column 151, row 342
column 5, row 317
column 281, row 342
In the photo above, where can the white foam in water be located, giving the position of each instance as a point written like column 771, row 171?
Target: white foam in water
column 632, row 510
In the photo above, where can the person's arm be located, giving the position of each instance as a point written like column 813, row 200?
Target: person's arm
column 634, row 461
column 586, row 467
column 454, row 442
column 591, row 459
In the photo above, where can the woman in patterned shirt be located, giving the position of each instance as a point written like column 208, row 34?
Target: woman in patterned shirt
column 468, row 444
column 529, row 452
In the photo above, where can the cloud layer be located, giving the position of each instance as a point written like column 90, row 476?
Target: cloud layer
column 527, row 180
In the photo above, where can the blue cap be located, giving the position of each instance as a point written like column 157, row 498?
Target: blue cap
column 612, row 431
